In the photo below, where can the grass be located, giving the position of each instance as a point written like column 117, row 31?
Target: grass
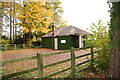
column 80, row 73
column 88, row 73
column 57, row 68
column 3, row 71
column 28, row 75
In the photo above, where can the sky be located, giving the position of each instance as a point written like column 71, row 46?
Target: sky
column 82, row 13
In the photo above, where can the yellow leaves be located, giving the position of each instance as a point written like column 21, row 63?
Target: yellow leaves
column 49, row 13
column 21, row 17
column 1, row 4
column 25, row 29
column 28, row 13
column 34, row 39
column 36, row 17
column 33, row 27
column 44, row 30
column 5, row 4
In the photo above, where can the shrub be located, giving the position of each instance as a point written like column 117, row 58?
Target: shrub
column 100, row 40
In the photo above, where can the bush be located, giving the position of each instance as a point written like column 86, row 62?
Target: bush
column 100, row 39
column 36, row 43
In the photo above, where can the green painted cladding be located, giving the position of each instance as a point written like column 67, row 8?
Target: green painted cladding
column 47, row 42
column 66, row 45
column 75, row 41
column 71, row 41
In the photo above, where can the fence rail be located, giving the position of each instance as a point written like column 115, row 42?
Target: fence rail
column 40, row 66
column 17, row 60
column 33, row 57
column 14, row 46
column 18, row 73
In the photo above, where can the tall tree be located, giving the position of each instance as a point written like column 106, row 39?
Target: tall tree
column 8, row 18
column 13, row 20
column 1, row 16
column 36, row 18
column 55, row 6
column 115, row 40
column 10, row 22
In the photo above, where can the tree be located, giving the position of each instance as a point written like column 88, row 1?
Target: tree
column 5, row 40
column 8, row 13
column 57, row 11
column 34, row 17
column 30, row 19
column 115, row 39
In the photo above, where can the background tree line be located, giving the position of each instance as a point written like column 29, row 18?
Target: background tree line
column 24, row 22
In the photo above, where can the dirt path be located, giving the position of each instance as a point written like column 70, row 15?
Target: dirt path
column 14, row 54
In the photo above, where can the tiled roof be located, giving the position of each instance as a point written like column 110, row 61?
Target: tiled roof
column 67, row 30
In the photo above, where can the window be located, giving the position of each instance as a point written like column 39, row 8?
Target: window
column 63, row 41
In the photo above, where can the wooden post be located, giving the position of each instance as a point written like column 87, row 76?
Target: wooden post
column 23, row 45
column 15, row 46
column 72, row 63
column 92, row 58
column 40, row 65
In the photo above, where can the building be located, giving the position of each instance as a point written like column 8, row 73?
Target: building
column 64, row 38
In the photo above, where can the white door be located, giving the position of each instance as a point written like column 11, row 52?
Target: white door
column 55, row 43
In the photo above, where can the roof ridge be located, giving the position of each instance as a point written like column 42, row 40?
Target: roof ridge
column 67, row 30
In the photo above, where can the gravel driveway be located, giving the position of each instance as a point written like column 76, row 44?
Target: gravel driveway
column 14, row 54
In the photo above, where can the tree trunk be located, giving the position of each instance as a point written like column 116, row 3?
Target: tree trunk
column 24, row 33
column 10, row 22
column 15, row 25
column 116, row 59
column 27, row 37
column 1, row 22
column 13, row 21
column 30, row 41
column 115, row 40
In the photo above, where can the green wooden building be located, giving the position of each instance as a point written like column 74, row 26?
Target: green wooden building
column 64, row 38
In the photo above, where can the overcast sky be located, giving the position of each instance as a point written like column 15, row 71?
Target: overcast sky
column 82, row 13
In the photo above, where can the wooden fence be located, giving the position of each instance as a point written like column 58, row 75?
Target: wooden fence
column 14, row 46
column 40, row 66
